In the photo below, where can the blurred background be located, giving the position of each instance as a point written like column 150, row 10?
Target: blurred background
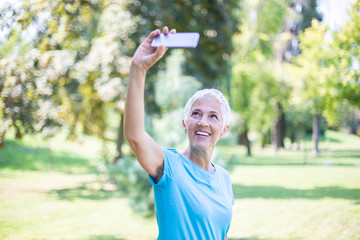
column 289, row 68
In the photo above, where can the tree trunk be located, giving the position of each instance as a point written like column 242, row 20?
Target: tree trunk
column 278, row 131
column 244, row 140
column 2, row 141
column 280, row 128
column 357, row 117
column 316, row 134
column 296, row 145
column 120, row 139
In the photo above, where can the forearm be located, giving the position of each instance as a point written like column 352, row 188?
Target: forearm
column 145, row 56
column 134, row 105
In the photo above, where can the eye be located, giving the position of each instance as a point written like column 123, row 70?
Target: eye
column 195, row 113
column 214, row 116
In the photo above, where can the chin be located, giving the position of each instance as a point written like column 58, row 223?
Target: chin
column 202, row 147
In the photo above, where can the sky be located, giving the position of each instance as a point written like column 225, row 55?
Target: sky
column 335, row 12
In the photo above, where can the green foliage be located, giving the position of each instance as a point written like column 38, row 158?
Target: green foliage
column 214, row 20
column 65, row 62
column 309, row 12
column 172, row 90
column 270, row 18
column 173, row 86
column 299, row 122
column 314, row 66
column 345, row 54
column 328, row 69
column 131, row 179
column 258, row 78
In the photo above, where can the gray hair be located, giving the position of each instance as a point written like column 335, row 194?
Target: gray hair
column 210, row 92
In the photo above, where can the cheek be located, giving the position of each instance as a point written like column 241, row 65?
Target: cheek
column 219, row 130
column 216, row 124
column 190, row 122
column 187, row 125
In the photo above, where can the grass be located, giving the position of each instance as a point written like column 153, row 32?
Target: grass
column 283, row 195
column 58, row 194
column 292, row 195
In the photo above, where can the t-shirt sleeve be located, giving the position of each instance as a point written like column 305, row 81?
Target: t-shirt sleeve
column 231, row 189
column 232, row 194
column 229, row 186
column 169, row 161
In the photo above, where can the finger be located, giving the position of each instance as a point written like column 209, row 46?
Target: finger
column 152, row 35
column 160, row 51
column 173, row 30
column 165, row 30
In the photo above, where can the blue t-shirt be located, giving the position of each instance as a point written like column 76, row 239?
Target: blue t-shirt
column 190, row 202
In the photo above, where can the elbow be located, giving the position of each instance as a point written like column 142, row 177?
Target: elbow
column 129, row 133
column 133, row 139
column 130, row 137
column 133, row 143
column 134, row 136
column 132, row 133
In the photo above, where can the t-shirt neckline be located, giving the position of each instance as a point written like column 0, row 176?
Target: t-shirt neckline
column 196, row 167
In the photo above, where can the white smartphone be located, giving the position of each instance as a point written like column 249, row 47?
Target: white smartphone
column 177, row 40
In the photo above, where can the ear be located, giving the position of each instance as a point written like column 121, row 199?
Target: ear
column 224, row 131
column 183, row 123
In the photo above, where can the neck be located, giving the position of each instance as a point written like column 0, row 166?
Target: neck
column 201, row 158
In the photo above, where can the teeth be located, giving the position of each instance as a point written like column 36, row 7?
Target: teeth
column 202, row 133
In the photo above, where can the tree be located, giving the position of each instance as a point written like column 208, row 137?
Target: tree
column 298, row 113
column 345, row 55
column 71, row 61
column 317, row 75
column 214, row 20
column 329, row 71
column 26, row 91
column 259, row 88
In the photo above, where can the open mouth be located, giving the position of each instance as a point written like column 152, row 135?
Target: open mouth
column 202, row 133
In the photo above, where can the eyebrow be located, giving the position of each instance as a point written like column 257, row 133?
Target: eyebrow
column 199, row 110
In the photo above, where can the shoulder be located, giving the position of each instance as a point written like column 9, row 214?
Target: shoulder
column 170, row 153
column 223, row 173
column 170, row 150
column 221, row 170
column 224, row 178
column 172, row 159
column 170, row 166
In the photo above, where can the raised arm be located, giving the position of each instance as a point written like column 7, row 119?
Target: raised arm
column 147, row 151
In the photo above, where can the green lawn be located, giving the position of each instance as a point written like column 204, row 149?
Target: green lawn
column 281, row 195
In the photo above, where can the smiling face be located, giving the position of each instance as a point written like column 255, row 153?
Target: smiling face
column 204, row 125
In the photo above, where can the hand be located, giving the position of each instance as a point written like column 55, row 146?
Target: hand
column 145, row 55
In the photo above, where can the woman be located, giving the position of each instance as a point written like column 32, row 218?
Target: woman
column 193, row 197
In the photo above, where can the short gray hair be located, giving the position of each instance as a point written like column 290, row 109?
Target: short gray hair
column 210, row 92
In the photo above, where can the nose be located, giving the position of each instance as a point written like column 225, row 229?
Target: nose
column 203, row 122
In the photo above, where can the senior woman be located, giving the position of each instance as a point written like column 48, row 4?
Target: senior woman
column 193, row 196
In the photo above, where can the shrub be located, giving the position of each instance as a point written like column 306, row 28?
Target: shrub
column 130, row 178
